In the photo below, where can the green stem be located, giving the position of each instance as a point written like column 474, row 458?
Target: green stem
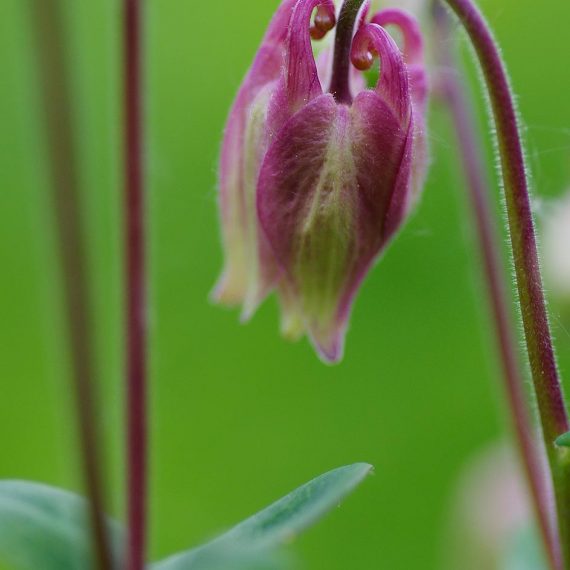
column 547, row 386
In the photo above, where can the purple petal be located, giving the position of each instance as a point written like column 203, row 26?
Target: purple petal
column 299, row 83
column 413, row 50
column 301, row 77
column 324, row 190
column 248, row 271
column 392, row 85
column 414, row 57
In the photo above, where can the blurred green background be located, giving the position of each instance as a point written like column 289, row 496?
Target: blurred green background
column 239, row 417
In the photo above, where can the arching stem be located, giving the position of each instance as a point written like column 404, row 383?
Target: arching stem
column 547, row 386
column 340, row 86
column 455, row 95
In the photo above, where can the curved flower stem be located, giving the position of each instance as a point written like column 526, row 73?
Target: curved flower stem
column 136, row 388
column 340, row 86
column 454, row 93
column 547, row 386
column 49, row 32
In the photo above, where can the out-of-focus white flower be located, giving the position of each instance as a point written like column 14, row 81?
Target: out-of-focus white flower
column 489, row 507
column 556, row 248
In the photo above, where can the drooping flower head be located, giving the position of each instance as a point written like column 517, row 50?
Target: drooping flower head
column 318, row 171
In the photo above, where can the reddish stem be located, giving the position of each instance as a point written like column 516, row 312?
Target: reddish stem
column 529, row 281
column 547, row 386
column 48, row 20
column 340, row 84
column 455, row 94
column 136, row 388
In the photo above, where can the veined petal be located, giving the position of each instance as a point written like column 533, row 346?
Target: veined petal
column 299, row 83
column 323, row 191
column 413, row 50
column 248, row 273
column 242, row 280
column 261, row 269
column 403, row 194
column 302, row 83
column 302, row 189
column 393, row 85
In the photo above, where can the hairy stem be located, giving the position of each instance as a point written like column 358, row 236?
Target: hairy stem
column 48, row 20
column 136, row 388
column 340, row 85
column 455, row 95
column 547, row 386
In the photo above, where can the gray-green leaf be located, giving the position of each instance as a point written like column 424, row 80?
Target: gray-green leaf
column 276, row 525
column 43, row 527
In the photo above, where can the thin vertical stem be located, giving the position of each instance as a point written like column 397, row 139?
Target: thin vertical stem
column 340, row 86
column 48, row 20
column 455, row 94
column 136, row 387
column 547, row 386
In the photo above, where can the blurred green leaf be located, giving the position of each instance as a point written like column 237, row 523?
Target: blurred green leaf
column 274, row 526
column 45, row 528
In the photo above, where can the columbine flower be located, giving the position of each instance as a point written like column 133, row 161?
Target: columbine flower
column 333, row 167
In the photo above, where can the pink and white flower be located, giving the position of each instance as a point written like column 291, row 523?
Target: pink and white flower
column 319, row 172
